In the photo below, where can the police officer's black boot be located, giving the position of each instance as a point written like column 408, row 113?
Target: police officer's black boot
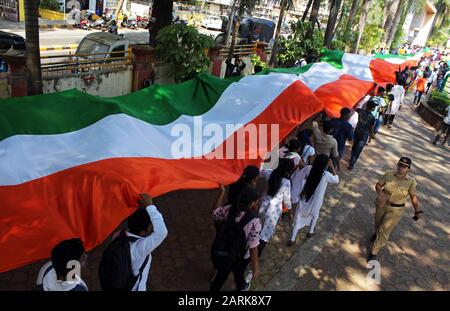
column 436, row 139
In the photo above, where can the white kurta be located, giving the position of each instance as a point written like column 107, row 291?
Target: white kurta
column 399, row 95
column 307, row 213
column 271, row 208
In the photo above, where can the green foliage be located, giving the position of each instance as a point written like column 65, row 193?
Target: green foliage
column 398, row 39
column 245, row 5
column 439, row 101
column 52, row 5
column 257, row 62
column 371, row 37
column 185, row 48
column 340, row 45
column 376, row 13
column 441, row 35
column 439, row 38
column 297, row 45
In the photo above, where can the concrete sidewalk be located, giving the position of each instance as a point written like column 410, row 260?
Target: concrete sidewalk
column 416, row 256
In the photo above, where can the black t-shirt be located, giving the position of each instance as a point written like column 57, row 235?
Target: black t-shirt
column 365, row 121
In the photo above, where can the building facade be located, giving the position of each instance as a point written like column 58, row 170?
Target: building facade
column 417, row 26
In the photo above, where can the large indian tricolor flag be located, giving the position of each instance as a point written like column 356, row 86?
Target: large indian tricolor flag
column 73, row 165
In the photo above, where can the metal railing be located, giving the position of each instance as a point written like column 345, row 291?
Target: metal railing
column 240, row 50
column 79, row 64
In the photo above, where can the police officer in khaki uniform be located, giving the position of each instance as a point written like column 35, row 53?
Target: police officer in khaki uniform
column 393, row 190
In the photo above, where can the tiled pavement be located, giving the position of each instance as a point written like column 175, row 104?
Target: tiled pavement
column 417, row 255
column 416, row 258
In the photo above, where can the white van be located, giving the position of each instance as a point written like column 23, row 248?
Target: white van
column 212, row 22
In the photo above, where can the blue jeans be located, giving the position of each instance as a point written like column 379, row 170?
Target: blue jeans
column 439, row 84
column 378, row 123
column 358, row 146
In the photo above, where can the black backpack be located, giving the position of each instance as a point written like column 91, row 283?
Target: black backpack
column 115, row 270
column 230, row 244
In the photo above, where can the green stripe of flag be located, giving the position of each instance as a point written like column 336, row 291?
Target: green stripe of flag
column 73, row 110
column 333, row 58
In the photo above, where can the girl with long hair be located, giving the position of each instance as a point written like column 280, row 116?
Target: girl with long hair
column 312, row 183
column 247, row 179
column 278, row 195
column 242, row 216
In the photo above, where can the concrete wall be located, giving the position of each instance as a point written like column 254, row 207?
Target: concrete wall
column 423, row 21
column 101, row 84
column 5, row 91
column 163, row 74
column 51, row 15
column 427, row 22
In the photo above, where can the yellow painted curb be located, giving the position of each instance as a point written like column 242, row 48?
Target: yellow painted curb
column 59, row 47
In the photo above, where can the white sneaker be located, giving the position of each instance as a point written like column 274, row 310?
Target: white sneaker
column 248, row 281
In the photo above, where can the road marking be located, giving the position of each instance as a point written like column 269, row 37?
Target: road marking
column 58, row 47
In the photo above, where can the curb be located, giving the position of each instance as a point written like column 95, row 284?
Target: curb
column 59, row 47
column 51, row 26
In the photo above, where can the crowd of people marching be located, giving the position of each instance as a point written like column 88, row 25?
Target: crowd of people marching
column 245, row 219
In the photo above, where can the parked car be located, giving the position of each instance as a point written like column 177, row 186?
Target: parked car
column 102, row 42
column 212, row 22
column 11, row 41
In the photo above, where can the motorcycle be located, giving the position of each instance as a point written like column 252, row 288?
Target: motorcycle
column 129, row 22
column 142, row 22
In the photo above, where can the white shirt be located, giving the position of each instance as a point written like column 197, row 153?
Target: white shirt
column 311, row 208
column 47, row 278
column 145, row 246
column 284, row 153
column 271, row 208
column 308, row 151
column 432, row 77
column 393, row 107
column 399, row 93
column 447, row 118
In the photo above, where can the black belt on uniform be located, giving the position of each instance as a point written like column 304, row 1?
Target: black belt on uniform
column 396, row 205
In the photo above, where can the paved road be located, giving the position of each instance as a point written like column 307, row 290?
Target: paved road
column 65, row 37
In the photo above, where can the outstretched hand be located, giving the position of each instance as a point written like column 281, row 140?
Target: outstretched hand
column 145, row 200
column 222, row 188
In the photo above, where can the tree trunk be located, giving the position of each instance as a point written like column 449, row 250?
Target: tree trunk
column 305, row 14
column 362, row 23
column 343, row 11
column 445, row 14
column 439, row 10
column 332, row 18
column 386, row 13
column 230, row 26
column 405, row 12
column 162, row 12
column 315, row 12
column 388, row 23
column 33, row 57
column 233, row 37
column 118, row 9
column 395, row 23
column 273, row 55
column 351, row 17
column 313, row 18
